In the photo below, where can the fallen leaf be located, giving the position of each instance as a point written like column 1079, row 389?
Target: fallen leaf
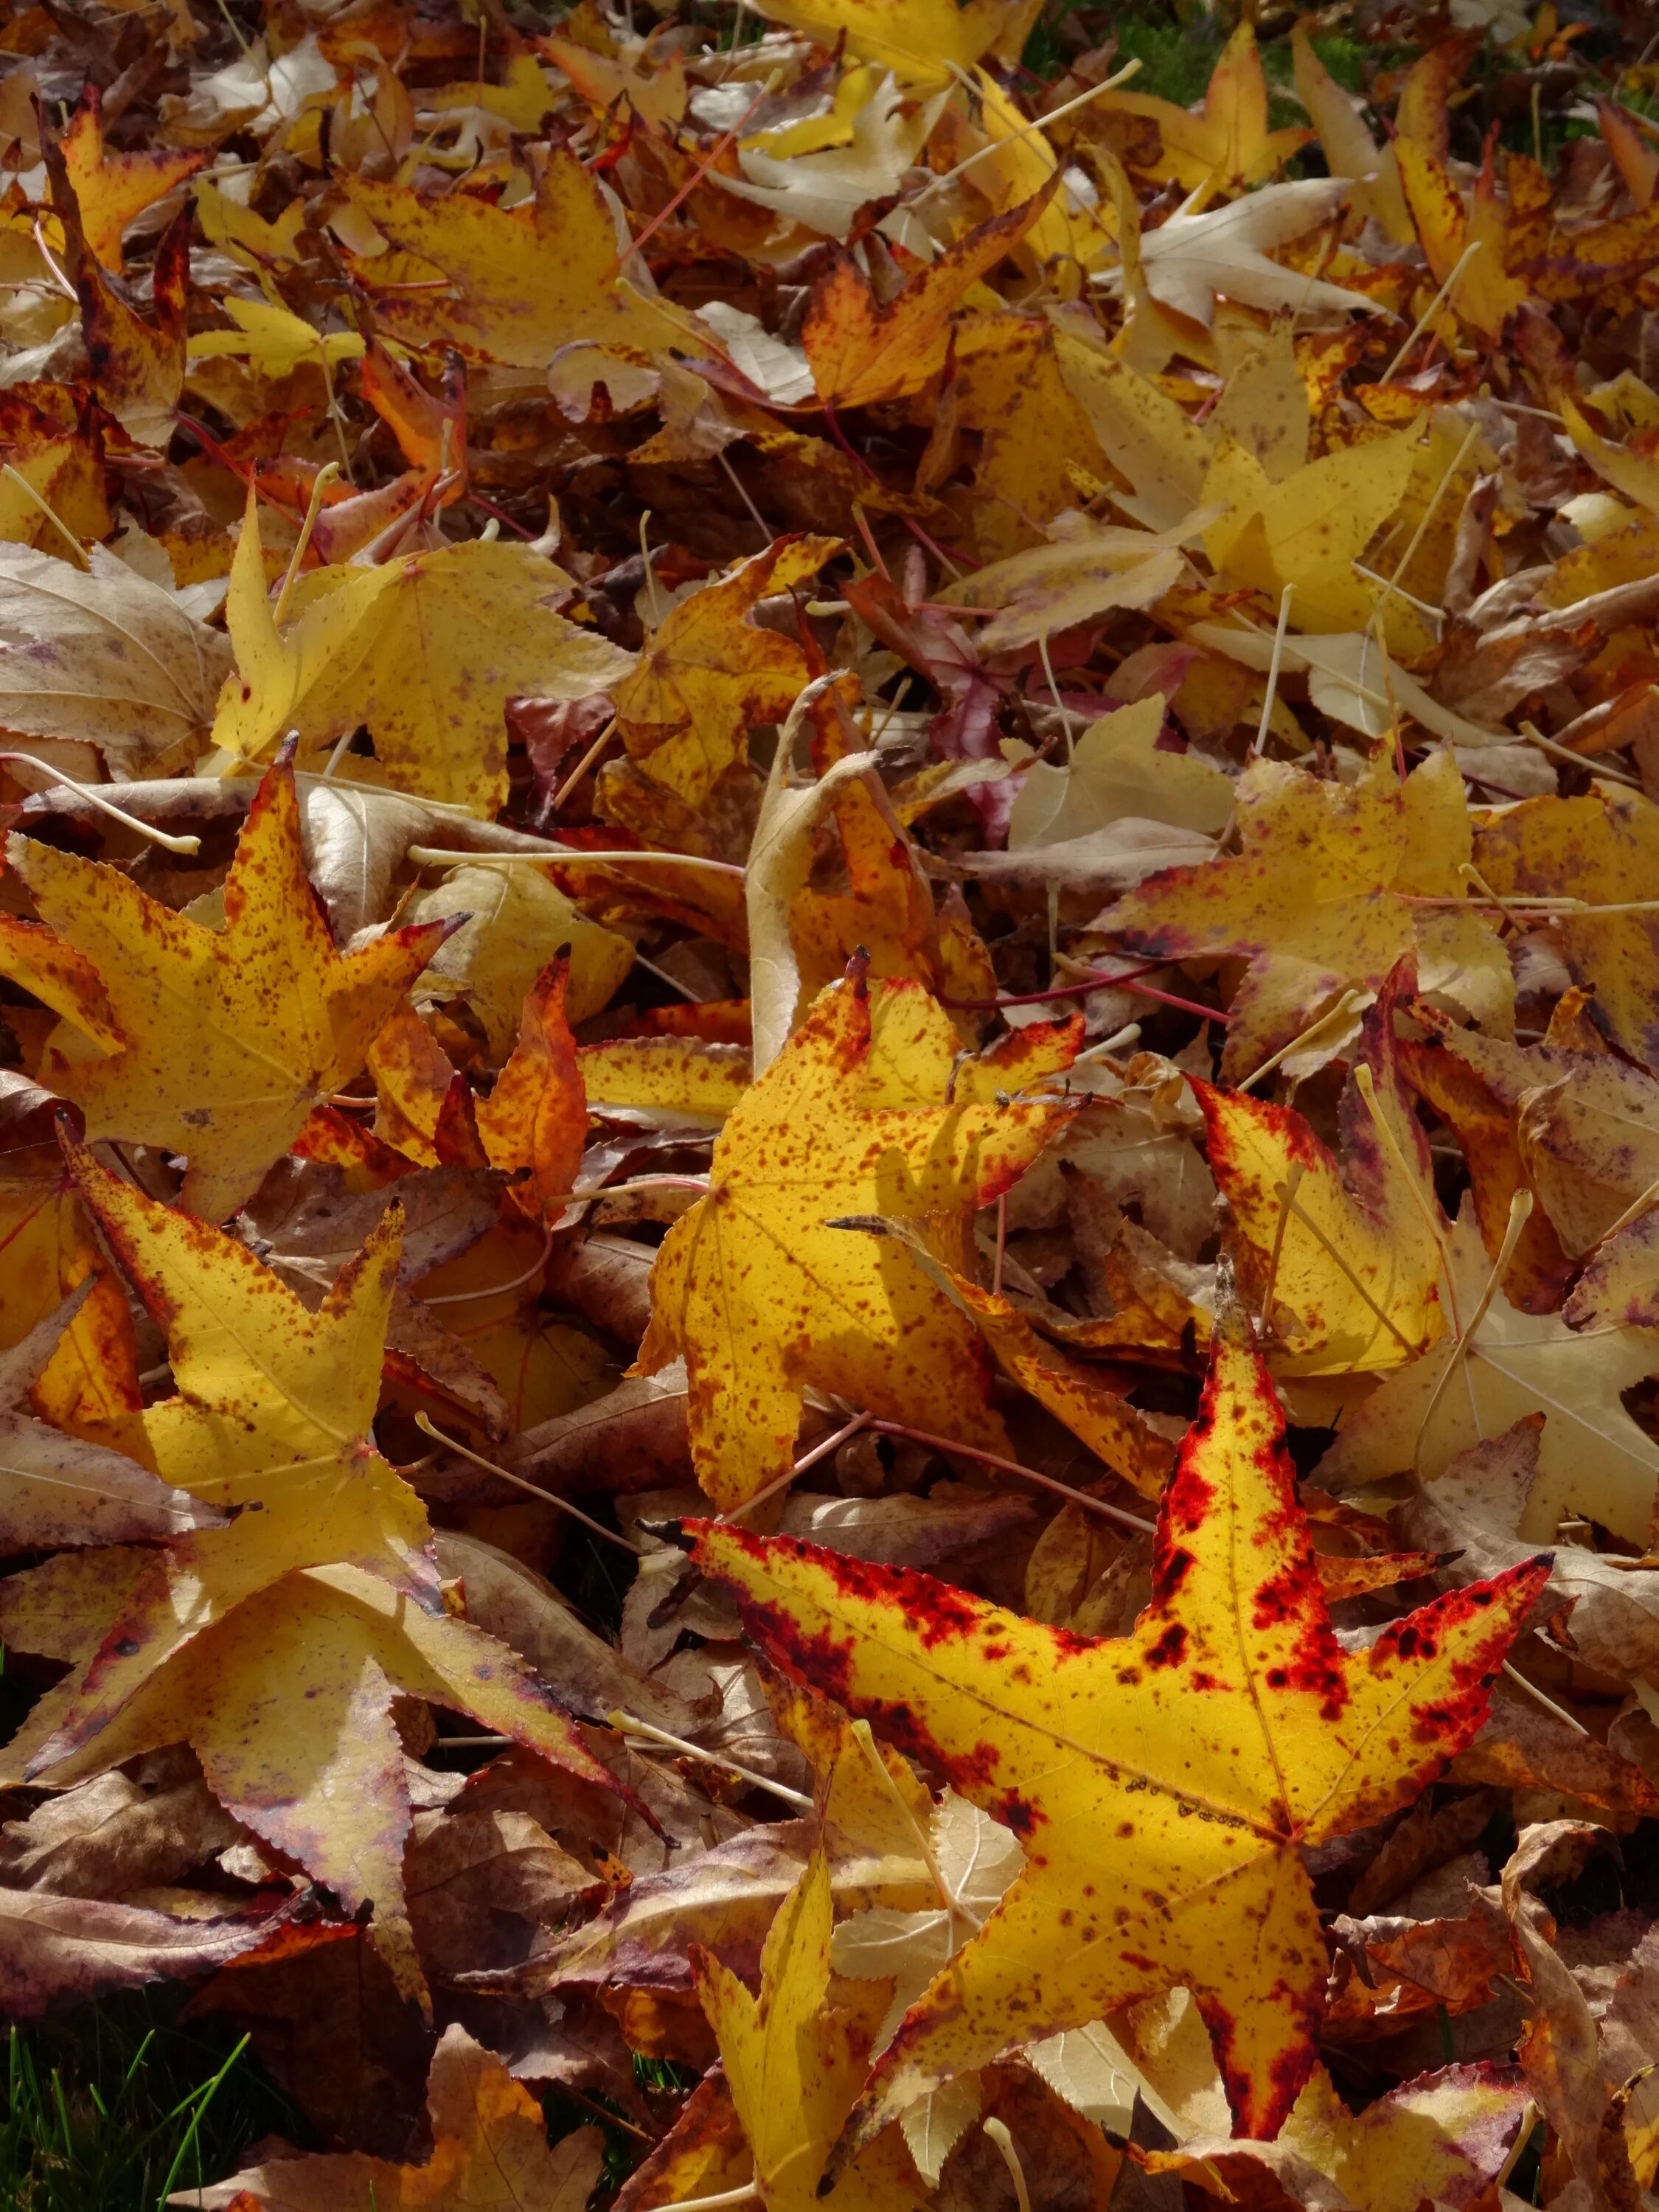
column 217, row 1043
column 708, row 670
column 1192, row 260
column 62, row 1490
column 1450, row 2135
column 537, row 1115
column 501, row 926
column 1593, row 1456
column 1115, row 769
column 891, row 1645
column 920, row 43
column 1226, row 144
column 862, row 350
column 426, row 650
column 489, row 2148
column 1608, row 1615
column 103, row 658
column 1596, row 850
column 762, row 1299
column 511, row 287
column 1329, row 892
column 110, row 188
column 52, row 1948
column 794, row 2065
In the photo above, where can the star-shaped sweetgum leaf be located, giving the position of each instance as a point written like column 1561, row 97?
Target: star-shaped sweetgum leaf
column 1163, row 1784
column 276, row 1643
column 865, row 1111
column 214, row 1042
column 1333, row 885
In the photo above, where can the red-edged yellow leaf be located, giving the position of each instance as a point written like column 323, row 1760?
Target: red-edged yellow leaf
column 1163, row 1783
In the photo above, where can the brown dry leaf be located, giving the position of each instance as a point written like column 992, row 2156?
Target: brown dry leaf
column 58, row 1946
column 490, row 2147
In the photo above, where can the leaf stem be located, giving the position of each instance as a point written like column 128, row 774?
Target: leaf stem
column 611, row 1536
column 627, row 1725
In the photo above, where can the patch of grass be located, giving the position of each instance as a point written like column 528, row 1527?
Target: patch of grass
column 117, row 2104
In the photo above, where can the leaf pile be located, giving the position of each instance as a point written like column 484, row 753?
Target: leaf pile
column 829, row 1070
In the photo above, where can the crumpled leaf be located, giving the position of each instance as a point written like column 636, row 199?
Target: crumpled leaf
column 1341, row 1260
column 932, row 1665
column 1448, row 2135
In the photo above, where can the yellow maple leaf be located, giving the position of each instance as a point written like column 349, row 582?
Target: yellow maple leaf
column 508, row 923
column 708, row 670
column 886, row 910
column 1309, row 529
column 214, row 1042
column 1494, row 1366
column 1163, row 1784
column 426, row 649
column 1224, row 144
column 861, row 350
column 48, row 435
column 1481, row 293
column 1350, row 150
column 90, row 1387
column 1320, row 902
column 1343, row 1266
column 1601, row 850
column 794, row 2064
column 275, row 340
column 271, row 1645
column 920, row 41
column 765, row 1299
column 522, row 282
column 112, row 189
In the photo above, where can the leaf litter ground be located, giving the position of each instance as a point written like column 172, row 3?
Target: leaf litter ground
column 828, row 1006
